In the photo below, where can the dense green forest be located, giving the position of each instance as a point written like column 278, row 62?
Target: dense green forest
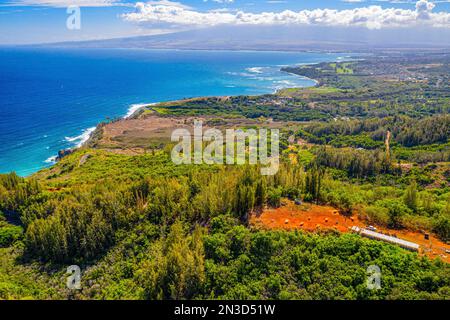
column 155, row 231
column 141, row 227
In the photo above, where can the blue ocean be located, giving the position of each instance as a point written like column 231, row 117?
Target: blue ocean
column 51, row 99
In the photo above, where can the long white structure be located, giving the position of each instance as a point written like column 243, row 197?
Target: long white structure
column 379, row 236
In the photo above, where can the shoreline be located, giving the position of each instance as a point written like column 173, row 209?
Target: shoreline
column 136, row 108
column 70, row 45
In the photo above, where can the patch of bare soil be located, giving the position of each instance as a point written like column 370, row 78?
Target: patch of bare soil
column 135, row 136
column 132, row 136
column 311, row 217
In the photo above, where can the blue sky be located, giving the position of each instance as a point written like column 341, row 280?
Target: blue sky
column 36, row 21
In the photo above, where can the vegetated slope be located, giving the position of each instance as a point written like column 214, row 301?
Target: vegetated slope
column 141, row 227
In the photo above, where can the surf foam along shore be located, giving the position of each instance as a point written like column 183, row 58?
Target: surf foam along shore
column 82, row 138
column 258, row 73
column 255, row 69
column 78, row 141
column 278, row 78
column 51, row 160
column 135, row 108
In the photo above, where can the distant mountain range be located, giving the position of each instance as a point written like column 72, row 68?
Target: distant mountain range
column 280, row 38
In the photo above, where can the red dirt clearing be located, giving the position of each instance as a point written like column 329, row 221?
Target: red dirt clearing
column 310, row 217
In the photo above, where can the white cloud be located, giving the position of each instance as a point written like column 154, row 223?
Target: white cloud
column 169, row 3
column 424, row 8
column 220, row 1
column 65, row 3
column 372, row 17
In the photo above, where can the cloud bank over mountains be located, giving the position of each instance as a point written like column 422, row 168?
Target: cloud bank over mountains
column 174, row 15
column 169, row 24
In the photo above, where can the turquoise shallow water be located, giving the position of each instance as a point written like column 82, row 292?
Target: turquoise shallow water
column 50, row 99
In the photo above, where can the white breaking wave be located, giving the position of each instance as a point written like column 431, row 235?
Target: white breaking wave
column 52, row 160
column 285, row 83
column 255, row 70
column 82, row 138
column 263, row 78
column 133, row 108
